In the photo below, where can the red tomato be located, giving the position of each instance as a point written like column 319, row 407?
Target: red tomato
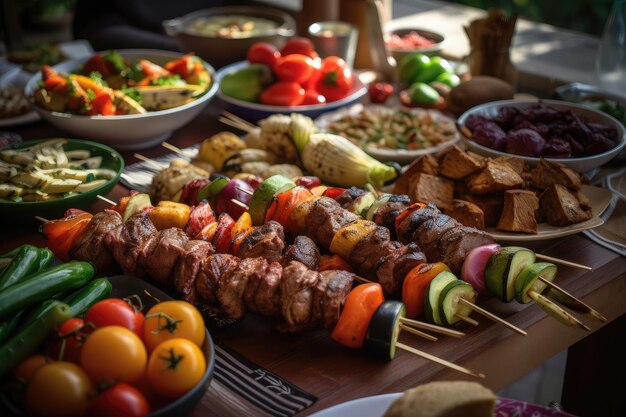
column 103, row 104
column 298, row 45
column 336, row 79
column 379, row 92
column 295, row 67
column 150, row 68
column 313, row 97
column 283, row 93
column 115, row 312
column 121, row 400
column 73, row 332
column 96, row 64
column 263, row 53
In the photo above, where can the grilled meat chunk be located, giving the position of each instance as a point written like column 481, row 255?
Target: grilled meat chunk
column 426, row 164
column 210, row 276
column 366, row 253
column 426, row 188
column 90, row 246
column 188, row 266
column 560, row 207
column 133, row 240
column 303, row 250
column 466, row 213
column 548, row 173
column 491, row 205
column 233, row 285
column 347, row 197
column 386, row 215
column 296, row 296
column 430, row 230
column 409, row 225
column 261, row 295
column 160, row 262
column 267, row 241
column 454, row 245
column 390, row 272
column 495, row 177
column 457, row 164
column 329, row 296
column 520, row 212
column 325, row 219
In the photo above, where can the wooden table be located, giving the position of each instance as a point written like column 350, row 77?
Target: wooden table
column 336, row 374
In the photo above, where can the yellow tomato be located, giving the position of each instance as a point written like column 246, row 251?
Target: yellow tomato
column 114, row 353
column 173, row 320
column 58, row 389
column 27, row 369
column 175, row 366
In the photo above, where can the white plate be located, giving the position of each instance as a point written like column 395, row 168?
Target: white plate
column 387, row 154
column 22, row 119
column 599, row 198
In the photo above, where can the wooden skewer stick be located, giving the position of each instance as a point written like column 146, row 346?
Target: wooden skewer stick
column 563, row 262
column 233, row 124
column 106, row 200
column 432, row 327
column 362, row 280
column 591, row 311
column 556, row 311
column 238, row 119
column 491, row 316
column 148, row 160
column 239, row 203
column 173, row 148
column 41, row 219
column 439, row 360
column 418, row 333
column 467, row 319
column 243, row 190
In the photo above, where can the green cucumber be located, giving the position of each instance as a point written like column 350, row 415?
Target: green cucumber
column 24, row 343
column 528, row 280
column 433, row 294
column 362, row 203
column 96, row 290
column 263, row 196
column 45, row 284
column 23, row 264
column 450, row 307
column 384, row 329
column 380, row 201
column 503, row 269
column 212, row 189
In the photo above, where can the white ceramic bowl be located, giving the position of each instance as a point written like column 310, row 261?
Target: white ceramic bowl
column 256, row 111
column 438, row 40
column 582, row 164
column 134, row 131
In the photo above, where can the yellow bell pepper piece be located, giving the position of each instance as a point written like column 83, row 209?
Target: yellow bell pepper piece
column 170, row 214
column 346, row 238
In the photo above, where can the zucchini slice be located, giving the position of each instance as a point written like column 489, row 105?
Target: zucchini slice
column 380, row 201
column 362, row 203
column 528, row 280
column 135, row 204
column 503, row 269
column 264, row 194
column 450, row 307
column 433, row 294
column 382, row 333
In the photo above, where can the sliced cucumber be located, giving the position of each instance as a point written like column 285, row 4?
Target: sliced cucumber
column 433, row 294
column 212, row 189
column 61, row 186
column 380, row 201
column 88, row 186
column 450, row 307
column 503, row 268
column 528, row 280
column 135, row 204
column 263, row 196
column 362, row 203
column 382, row 333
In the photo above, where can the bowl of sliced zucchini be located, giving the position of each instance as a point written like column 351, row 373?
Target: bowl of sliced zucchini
column 46, row 177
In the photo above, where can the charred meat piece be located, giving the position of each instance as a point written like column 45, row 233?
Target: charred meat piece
column 329, row 296
column 188, row 266
column 347, row 197
column 136, row 237
column 233, row 285
column 267, row 241
column 548, row 173
column 366, row 253
column 390, row 274
column 261, row 295
column 466, row 213
column 210, row 276
column 409, row 225
column 426, row 188
column 560, row 207
column 457, row 164
column 296, row 296
column 520, row 212
column 431, row 229
column 303, row 250
column 494, row 178
column 386, row 215
column 90, row 246
column 325, row 219
column 454, row 245
column 169, row 246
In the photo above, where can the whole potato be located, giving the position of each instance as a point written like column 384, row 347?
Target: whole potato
column 478, row 90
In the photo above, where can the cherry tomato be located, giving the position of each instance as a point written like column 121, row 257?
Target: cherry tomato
column 27, row 369
column 295, row 67
column 336, row 79
column 115, row 311
column 299, row 45
column 175, row 366
column 283, row 93
column 96, row 64
column 313, row 97
column 58, row 389
column 72, row 333
column 120, row 400
column 380, row 92
column 263, row 53
column 170, row 320
column 114, row 353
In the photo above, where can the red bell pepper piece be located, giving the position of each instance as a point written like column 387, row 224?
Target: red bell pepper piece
column 360, row 306
column 415, row 284
column 223, row 236
column 334, row 262
column 62, row 233
column 283, row 204
column 200, row 216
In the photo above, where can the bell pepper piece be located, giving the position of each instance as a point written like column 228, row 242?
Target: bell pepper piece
column 346, row 238
column 170, row 214
column 297, row 218
column 333, row 192
column 191, row 189
column 360, row 306
column 221, row 239
column 283, row 204
column 334, row 262
column 62, row 233
column 200, row 216
column 207, row 232
column 406, row 212
column 415, row 285
column 243, row 223
column 236, row 242
column 319, row 190
column 103, row 104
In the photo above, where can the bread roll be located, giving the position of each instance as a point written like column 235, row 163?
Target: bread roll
column 445, row 399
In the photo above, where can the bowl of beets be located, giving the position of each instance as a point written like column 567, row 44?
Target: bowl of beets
column 576, row 136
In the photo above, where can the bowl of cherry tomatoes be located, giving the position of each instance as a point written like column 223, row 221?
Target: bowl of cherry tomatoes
column 293, row 79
